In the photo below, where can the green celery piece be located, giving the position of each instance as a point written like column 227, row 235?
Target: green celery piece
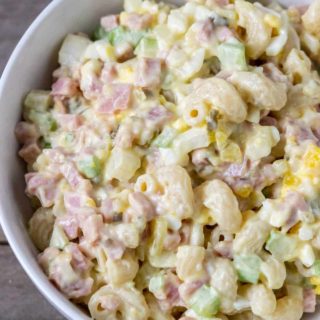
column 121, row 34
column 147, row 48
column 232, row 56
column 100, row 33
column 205, row 301
column 44, row 121
column 165, row 138
column 90, row 167
column 248, row 267
column 316, row 268
column 281, row 246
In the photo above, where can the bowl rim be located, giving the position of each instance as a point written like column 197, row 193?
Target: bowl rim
column 42, row 283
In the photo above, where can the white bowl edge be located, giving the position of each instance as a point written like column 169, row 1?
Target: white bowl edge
column 13, row 203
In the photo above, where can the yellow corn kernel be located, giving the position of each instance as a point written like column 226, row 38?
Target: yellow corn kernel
column 162, row 99
column 109, row 50
column 315, row 281
column 317, row 290
column 91, row 203
column 212, row 136
column 273, row 21
column 312, row 157
column 244, row 192
column 180, row 125
column 290, row 180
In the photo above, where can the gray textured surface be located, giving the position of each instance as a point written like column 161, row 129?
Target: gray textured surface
column 19, row 298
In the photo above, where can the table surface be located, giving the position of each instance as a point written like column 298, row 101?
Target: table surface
column 19, row 297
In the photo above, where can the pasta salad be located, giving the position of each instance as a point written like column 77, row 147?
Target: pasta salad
column 174, row 166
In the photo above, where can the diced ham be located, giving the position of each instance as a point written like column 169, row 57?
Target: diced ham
column 269, row 121
column 94, row 88
column 206, row 30
column 309, row 301
column 68, row 122
column 26, row 132
column 293, row 203
column 237, row 170
column 65, row 86
column 188, row 288
column 30, row 152
column 70, row 226
column 43, row 186
column 108, row 73
column 159, row 115
column 135, row 21
column 72, row 175
column 91, row 227
column 169, row 297
column 79, row 261
column 107, row 211
column 118, row 99
column 223, row 33
column 109, row 22
column 76, row 289
column 115, row 249
column 148, row 74
column 172, row 241
column 142, row 206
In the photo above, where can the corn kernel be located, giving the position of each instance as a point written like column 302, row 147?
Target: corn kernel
column 315, row 281
column 244, row 191
column 180, row 125
column 317, row 290
column 312, row 157
column 212, row 136
column 91, row 203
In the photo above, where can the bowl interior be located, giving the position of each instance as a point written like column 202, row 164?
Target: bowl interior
column 30, row 67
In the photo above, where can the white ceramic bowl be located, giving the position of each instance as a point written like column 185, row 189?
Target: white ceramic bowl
column 30, row 67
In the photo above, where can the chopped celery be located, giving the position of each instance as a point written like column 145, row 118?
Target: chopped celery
column 281, row 246
column 90, row 167
column 232, row 56
column 156, row 283
column 316, row 268
column 100, row 33
column 43, row 120
column 121, row 34
column 45, row 144
column 165, row 138
column 205, row 301
column 248, row 267
column 38, row 100
column 147, row 48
